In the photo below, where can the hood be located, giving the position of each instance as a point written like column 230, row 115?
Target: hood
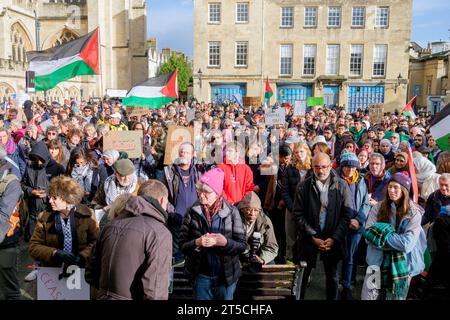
column 146, row 206
column 40, row 150
column 251, row 200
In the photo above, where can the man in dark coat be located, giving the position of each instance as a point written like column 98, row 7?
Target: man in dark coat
column 133, row 255
column 322, row 210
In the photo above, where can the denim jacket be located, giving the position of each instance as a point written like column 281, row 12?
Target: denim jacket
column 410, row 238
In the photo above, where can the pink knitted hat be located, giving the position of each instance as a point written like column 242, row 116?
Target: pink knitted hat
column 214, row 179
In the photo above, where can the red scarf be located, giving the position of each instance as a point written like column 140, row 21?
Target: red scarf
column 211, row 211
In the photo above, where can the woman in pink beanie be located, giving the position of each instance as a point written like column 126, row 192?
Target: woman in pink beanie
column 212, row 237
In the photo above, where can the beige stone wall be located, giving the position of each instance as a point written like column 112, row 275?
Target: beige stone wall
column 265, row 40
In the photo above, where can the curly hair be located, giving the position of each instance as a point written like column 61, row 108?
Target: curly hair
column 67, row 189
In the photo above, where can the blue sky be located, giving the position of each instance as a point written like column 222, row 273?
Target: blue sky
column 171, row 21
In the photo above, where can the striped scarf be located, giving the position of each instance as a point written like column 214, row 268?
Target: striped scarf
column 394, row 269
column 211, row 211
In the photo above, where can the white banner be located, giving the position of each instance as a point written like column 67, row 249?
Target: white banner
column 276, row 117
column 114, row 93
column 74, row 287
column 299, row 108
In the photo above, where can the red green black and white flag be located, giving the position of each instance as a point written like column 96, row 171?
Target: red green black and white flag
column 154, row 92
column 75, row 58
column 269, row 93
column 440, row 128
column 408, row 110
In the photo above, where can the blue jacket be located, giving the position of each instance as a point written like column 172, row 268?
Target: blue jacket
column 18, row 157
column 361, row 211
column 410, row 238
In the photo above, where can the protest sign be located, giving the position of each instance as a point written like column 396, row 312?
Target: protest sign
column 299, row 108
column 19, row 98
column 50, row 287
column 315, row 101
column 176, row 135
column 251, row 101
column 130, row 142
column 376, row 113
column 137, row 112
column 276, row 117
column 190, row 114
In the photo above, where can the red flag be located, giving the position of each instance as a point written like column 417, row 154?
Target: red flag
column 412, row 174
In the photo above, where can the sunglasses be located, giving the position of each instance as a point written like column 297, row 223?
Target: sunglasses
column 51, row 133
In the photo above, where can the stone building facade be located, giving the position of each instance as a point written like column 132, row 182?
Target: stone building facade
column 428, row 75
column 351, row 52
column 122, row 42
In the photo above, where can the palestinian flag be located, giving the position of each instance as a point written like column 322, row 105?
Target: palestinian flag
column 154, row 92
column 75, row 58
column 408, row 110
column 269, row 92
column 440, row 128
column 412, row 174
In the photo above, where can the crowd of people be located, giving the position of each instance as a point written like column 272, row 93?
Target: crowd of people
column 243, row 194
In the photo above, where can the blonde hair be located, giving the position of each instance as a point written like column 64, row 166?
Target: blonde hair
column 297, row 163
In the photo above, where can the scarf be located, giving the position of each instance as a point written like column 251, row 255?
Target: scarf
column 112, row 190
column 394, row 269
column 187, row 194
column 352, row 180
column 10, row 147
column 211, row 211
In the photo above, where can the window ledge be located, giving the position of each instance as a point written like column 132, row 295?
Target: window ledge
column 285, row 76
column 213, row 67
column 286, row 27
column 308, row 76
column 240, row 67
column 309, row 27
column 358, row 27
column 333, row 27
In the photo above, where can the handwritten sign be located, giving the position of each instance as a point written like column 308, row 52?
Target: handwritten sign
column 130, row 142
column 276, row 117
column 376, row 112
column 50, row 287
column 137, row 112
column 176, row 135
column 299, row 108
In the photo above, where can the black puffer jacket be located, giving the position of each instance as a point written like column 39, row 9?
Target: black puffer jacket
column 306, row 211
column 290, row 180
column 195, row 226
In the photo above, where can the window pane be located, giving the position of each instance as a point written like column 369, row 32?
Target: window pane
column 332, row 66
column 287, row 17
column 242, row 12
column 286, row 59
column 214, row 12
column 214, row 53
column 358, row 16
column 334, row 16
column 310, row 17
column 379, row 60
column 309, row 59
column 356, row 58
column 241, row 53
column 382, row 18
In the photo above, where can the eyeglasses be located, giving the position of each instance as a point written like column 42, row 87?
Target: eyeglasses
column 321, row 167
column 203, row 191
column 51, row 133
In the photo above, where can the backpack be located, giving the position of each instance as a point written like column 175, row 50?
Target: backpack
column 14, row 221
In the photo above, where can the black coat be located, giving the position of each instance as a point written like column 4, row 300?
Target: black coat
column 195, row 225
column 306, row 213
column 290, row 180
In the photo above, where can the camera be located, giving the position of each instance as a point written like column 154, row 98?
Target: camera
column 251, row 261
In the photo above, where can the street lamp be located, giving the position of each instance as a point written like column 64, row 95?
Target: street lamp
column 399, row 82
column 199, row 72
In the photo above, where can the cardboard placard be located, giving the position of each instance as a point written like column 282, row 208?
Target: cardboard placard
column 137, row 112
column 276, row 117
column 376, row 113
column 299, row 108
column 50, row 287
column 251, row 101
column 176, row 135
column 130, row 142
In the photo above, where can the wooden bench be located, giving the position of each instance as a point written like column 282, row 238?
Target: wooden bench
column 273, row 282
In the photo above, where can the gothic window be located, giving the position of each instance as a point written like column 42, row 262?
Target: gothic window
column 20, row 43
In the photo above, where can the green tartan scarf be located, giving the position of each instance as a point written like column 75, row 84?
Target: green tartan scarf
column 394, row 269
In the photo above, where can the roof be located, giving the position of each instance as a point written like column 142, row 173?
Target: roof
column 439, row 55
